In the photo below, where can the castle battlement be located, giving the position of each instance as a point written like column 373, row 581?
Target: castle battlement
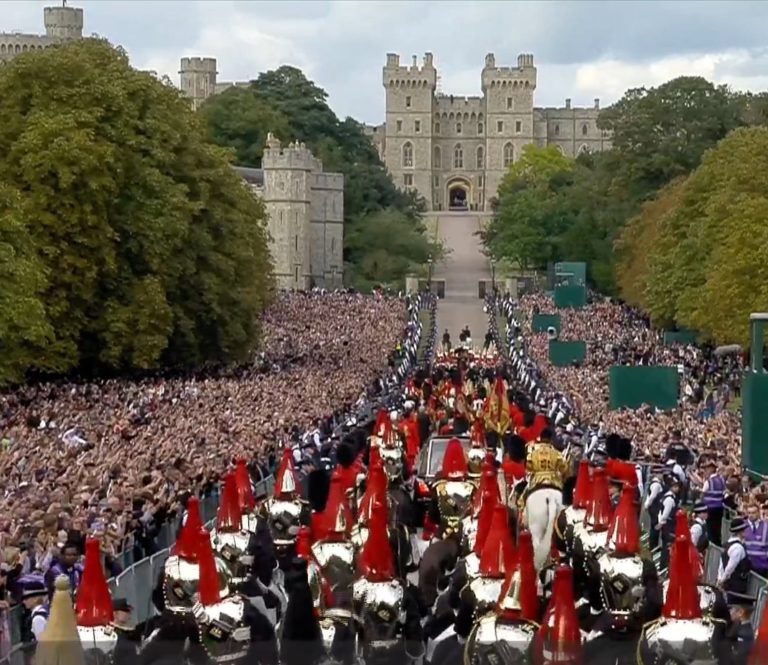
column 415, row 75
column 198, row 65
column 295, row 156
column 456, row 99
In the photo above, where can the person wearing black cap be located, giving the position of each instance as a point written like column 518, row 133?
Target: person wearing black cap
column 653, row 507
column 666, row 525
column 699, row 534
column 713, row 492
column 741, row 632
column 734, row 569
column 34, row 597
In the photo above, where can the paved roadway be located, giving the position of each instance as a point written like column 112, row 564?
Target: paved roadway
column 462, row 270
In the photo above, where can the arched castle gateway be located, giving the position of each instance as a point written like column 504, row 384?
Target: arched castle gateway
column 455, row 150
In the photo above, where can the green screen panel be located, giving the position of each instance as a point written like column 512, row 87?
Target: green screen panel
column 570, row 296
column 543, row 321
column 564, row 354
column 679, row 337
column 754, row 422
column 632, row 386
column 574, row 272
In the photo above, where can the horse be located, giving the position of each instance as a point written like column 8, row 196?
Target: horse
column 541, row 508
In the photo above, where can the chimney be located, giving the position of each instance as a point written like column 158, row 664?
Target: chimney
column 490, row 61
column 597, row 103
column 415, row 62
column 427, row 59
column 568, row 103
column 393, row 60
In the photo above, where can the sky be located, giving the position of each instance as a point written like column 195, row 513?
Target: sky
column 583, row 50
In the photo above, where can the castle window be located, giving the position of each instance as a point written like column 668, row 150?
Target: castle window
column 436, row 181
column 437, row 128
column 584, row 130
column 407, row 155
column 296, row 272
column 499, row 126
column 417, row 126
column 480, row 181
column 518, row 126
column 437, row 159
column 399, row 125
column 480, row 128
column 557, row 130
column 408, row 179
column 296, row 242
column 509, row 103
column 480, row 157
column 509, row 155
column 408, row 102
column 458, row 128
column 458, row 157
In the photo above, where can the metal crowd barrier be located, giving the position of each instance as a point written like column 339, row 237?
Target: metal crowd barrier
column 137, row 581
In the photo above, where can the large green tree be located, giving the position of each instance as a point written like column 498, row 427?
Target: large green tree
column 148, row 248
column 291, row 106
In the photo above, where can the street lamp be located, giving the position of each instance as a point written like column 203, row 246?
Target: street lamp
column 429, row 274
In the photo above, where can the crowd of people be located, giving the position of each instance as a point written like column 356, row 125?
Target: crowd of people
column 115, row 459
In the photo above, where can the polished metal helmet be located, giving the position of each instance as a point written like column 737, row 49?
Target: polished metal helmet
column 483, row 594
column 380, row 606
column 250, row 522
column 337, row 562
column 475, row 458
column 469, row 526
column 454, row 498
column 621, row 586
column 679, row 641
column 181, row 578
column 283, row 520
column 98, row 643
column 498, row 641
column 224, row 632
column 330, row 622
column 233, row 549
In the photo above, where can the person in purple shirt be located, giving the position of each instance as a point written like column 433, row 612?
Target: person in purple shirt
column 65, row 564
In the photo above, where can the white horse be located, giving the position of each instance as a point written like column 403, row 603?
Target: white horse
column 542, row 506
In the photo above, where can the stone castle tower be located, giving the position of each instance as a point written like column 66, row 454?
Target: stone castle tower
column 199, row 80
column 455, row 150
column 62, row 24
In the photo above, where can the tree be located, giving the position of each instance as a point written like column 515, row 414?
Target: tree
column 152, row 249
column 638, row 239
column 291, row 106
column 708, row 272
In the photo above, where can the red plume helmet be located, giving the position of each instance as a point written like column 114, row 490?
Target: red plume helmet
column 454, row 461
column 375, row 491
column 229, row 518
column 682, row 601
column 377, row 563
column 498, row 553
column 186, row 542
column 624, row 531
column 560, row 634
column 337, row 517
column 208, row 588
column 93, row 606
column 382, row 419
column 286, row 479
column 519, row 598
column 304, row 543
column 244, row 489
column 485, row 518
column 598, row 517
column 583, row 490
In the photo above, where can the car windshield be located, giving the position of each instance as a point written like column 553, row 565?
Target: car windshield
column 438, row 452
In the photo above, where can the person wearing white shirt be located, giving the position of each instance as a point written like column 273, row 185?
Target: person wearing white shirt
column 734, row 568
column 666, row 525
column 699, row 536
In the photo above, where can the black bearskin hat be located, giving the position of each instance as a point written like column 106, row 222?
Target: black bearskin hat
column 318, row 486
column 612, row 445
column 345, row 454
column 514, row 446
column 546, row 434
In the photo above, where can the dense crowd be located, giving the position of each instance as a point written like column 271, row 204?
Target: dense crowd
column 116, row 458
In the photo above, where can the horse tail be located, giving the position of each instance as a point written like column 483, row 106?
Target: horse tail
column 553, row 510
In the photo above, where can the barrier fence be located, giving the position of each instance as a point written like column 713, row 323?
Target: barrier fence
column 137, row 581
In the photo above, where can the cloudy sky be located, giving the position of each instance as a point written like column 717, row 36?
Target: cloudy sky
column 582, row 50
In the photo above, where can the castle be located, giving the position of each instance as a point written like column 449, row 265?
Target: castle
column 305, row 215
column 455, row 150
column 62, row 24
column 198, row 79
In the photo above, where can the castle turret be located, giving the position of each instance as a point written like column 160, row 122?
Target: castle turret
column 63, row 23
column 287, row 198
column 198, row 79
column 410, row 95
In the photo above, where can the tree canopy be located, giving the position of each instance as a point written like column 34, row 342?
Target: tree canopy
column 580, row 213
column 128, row 240
column 292, row 107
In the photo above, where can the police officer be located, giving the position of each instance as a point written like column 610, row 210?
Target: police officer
column 34, row 596
column 653, row 507
column 699, row 533
column 666, row 525
column 734, row 568
column 713, row 492
column 741, row 632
